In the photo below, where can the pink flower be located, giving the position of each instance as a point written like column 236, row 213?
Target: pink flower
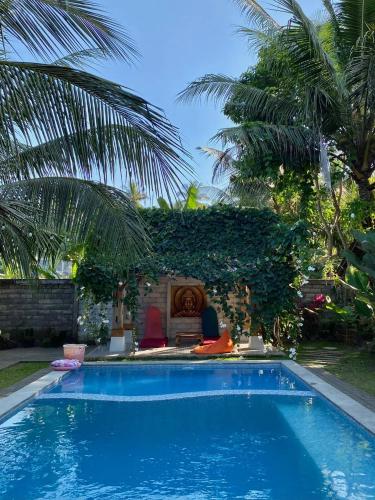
column 318, row 301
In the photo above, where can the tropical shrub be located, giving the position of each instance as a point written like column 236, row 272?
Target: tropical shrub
column 360, row 275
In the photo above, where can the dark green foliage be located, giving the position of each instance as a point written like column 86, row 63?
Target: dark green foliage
column 28, row 337
column 266, row 75
column 97, row 279
column 360, row 275
column 365, row 263
column 228, row 249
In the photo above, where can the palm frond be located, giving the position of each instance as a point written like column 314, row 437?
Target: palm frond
column 355, row 18
column 81, row 59
column 251, row 192
column 20, row 239
column 218, row 196
column 257, row 15
column 301, row 40
column 340, row 51
column 301, row 37
column 290, row 142
column 309, row 59
column 216, row 87
column 306, row 56
column 52, row 27
column 255, row 103
column 223, row 161
column 259, row 104
column 256, row 38
column 360, row 73
column 254, row 193
column 330, row 8
column 46, row 103
column 35, row 215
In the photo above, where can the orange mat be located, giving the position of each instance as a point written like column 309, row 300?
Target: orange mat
column 221, row 346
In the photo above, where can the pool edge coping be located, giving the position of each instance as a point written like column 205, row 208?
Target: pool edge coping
column 10, row 403
column 362, row 415
column 358, row 412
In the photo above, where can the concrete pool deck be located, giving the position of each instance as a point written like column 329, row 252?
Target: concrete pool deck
column 18, row 398
column 10, row 357
column 173, row 352
column 360, row 413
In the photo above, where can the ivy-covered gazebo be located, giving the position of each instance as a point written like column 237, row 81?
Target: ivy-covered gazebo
column 244, row 258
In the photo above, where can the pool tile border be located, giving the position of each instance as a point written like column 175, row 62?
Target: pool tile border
column 11, row 402
column 348, row 405
column 175, row 396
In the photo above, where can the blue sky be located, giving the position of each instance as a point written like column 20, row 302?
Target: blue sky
column 179, row 41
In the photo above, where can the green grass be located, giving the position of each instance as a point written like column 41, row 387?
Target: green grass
column 19, row 371
column 307, row 345
column 353, row 366
column 357, row 368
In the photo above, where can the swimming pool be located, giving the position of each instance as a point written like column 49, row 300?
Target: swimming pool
column 210, row 431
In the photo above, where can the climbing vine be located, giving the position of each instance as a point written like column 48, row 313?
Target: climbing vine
column 231, row 250
column 97, row 281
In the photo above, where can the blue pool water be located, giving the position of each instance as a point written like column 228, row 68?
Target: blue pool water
column 159, row 380
column 184, row 432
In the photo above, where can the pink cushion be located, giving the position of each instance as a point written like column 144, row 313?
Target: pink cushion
column 65, row 364
column 149, row 343
column 153, row 329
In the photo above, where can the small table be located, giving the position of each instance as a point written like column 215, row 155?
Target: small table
column 188, row 336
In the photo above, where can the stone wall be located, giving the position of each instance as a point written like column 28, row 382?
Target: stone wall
column 159, row 296
column 38, row 305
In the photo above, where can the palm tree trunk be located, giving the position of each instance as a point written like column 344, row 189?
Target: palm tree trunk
column 364, row 189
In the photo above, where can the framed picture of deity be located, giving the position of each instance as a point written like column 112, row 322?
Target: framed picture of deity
column 187, row 301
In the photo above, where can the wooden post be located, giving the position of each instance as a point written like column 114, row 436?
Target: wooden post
column 118, row 330
column 118, row 313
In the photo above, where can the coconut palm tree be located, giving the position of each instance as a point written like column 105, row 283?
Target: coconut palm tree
column 239, row 190
column 330, row 109
column 65, row 133
column 135, row 195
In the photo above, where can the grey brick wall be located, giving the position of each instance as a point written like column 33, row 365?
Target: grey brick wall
column 39, row 305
